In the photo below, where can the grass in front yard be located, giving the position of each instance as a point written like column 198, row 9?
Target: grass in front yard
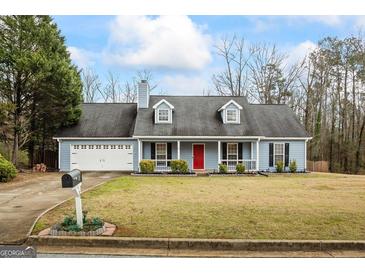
column 303, row 206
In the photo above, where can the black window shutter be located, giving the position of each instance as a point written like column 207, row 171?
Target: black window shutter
column 153, row 153
column 286, row 154
column 240, row 151
column 271, row 154
column 224, row 151
column 169, row 155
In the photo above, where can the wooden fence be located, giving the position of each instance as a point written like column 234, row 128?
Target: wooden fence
column 50, row 159
column 317, row 166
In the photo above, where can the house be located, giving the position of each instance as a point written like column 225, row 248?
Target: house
column 203, row 130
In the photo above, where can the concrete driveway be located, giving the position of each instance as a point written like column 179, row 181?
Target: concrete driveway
column 22, row 200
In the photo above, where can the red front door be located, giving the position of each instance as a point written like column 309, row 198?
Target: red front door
column 198, row 156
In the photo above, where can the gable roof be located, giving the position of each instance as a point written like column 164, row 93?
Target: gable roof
column 193, row 116
column 230, row 102
column 199, row 116
column 103, row 120
column 161, row 102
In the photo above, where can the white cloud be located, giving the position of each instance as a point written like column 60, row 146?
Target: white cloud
column 81, row 57
column 297, row 53
column 180, row 84
column 172, row 42
column 330, row 20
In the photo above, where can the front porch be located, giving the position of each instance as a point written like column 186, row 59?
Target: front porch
column 202, row 156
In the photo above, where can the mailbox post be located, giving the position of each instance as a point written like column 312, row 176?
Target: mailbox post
column 73, row 180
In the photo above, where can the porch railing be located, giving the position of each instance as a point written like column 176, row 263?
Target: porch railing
column 231, row 164
column 163, row 165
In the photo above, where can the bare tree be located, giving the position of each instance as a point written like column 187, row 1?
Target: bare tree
column 232, row 81
column 91, row 85
column 272, row 79
column 129, row 94
column 111, row 92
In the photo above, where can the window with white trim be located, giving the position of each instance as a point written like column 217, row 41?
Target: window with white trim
column 161, row 154
column 232, row 116
column 278, row 153
column 163, row 115
column 232, row 154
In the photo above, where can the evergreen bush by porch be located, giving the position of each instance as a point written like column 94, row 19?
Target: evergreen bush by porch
column 147, row 166
column 240, row 168
column 293, row 166
column 7, row 170
column 223, row 168
column 179, row 166
column 279, row 166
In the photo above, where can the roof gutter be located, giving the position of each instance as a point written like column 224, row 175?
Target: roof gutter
column 93, row 138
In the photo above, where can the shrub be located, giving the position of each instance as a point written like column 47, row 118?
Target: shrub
column 223, row 168
column 75, row 228
column 240, row 168
column 97, row 222
column 68, row 220
column 293, row 166
column 179, row 166
column 279, row 166
column 7, row 170
column 147, row 166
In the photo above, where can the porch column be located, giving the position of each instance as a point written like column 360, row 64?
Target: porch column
column 139, row 153
column 178, row 150
column 219, row 152
column 257, row 154
column 59, row 154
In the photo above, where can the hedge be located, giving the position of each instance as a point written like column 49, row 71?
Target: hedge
column 147, row 166
column 179, row 166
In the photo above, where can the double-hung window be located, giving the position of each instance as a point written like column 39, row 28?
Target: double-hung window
column 278, row 153
column 163, row 116
column 161, row 154
column 232, row 155
column 232, row 116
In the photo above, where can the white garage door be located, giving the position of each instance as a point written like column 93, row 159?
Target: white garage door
column 102, row 157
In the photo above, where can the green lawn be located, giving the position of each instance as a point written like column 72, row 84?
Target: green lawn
column 303, row 206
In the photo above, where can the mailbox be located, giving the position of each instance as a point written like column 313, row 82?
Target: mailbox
column 72, row 178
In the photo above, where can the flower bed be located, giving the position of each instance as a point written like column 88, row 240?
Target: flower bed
column 163, row 174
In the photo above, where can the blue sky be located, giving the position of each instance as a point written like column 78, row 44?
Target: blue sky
column 179, row 50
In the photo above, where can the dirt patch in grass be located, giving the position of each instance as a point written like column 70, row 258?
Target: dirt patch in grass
column 310, row 206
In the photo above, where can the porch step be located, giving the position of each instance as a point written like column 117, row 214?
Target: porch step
column 201, row 173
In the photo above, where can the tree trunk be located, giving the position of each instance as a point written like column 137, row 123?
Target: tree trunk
column 358, row 160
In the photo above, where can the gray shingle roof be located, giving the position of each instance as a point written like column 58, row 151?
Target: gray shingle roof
column 103, row 120
column 198, row 116
column 192, row 116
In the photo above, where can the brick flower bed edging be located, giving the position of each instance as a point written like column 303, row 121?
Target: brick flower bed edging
column 197, row 244
column 164, row 174
column 106, row 230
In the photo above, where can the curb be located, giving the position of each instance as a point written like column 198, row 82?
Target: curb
column 197, row 244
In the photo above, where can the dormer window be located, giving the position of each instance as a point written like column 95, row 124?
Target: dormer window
column 163, row 112
column 230, row 113
column 163, row 116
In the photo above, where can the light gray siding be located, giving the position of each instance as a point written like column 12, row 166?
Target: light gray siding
column 146, row 154
column 211, row 153
column 65, row 150
column 296, row 152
